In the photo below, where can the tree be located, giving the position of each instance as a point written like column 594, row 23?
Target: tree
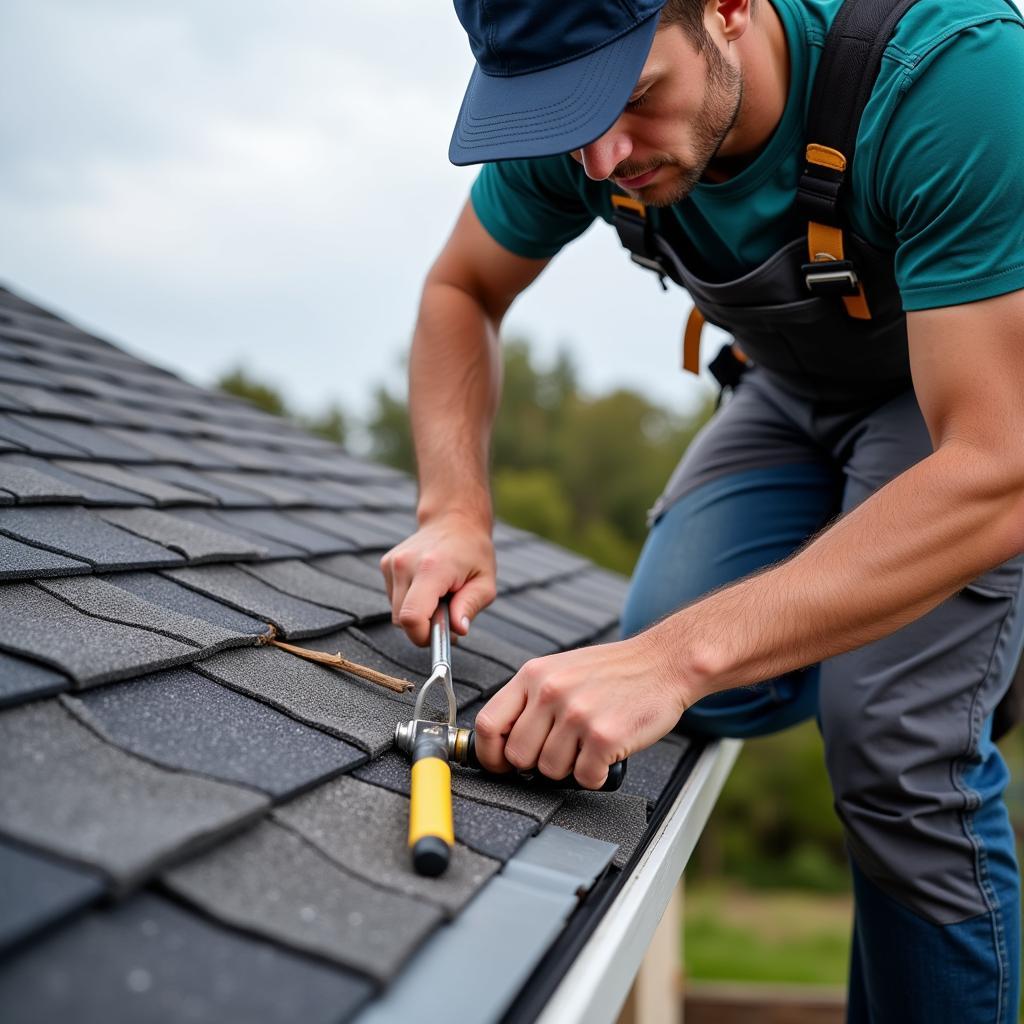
column 330, row 423
column 237, row 382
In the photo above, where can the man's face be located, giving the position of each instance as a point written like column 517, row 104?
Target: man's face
column 684, row 104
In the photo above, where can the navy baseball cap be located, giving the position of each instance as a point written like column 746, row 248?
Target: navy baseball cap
column 550, row 76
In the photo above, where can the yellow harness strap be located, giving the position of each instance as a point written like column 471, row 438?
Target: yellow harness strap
column 691, row 340
column 628, row 203
column 824, row 242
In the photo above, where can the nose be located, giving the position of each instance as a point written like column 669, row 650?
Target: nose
column 603, row 155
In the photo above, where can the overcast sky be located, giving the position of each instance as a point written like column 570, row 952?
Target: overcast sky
column 214, row 183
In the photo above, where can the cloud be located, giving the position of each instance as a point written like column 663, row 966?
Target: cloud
column 268, row 184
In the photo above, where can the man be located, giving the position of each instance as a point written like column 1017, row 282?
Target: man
column 857, row 507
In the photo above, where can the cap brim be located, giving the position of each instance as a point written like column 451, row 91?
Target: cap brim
column 552, row 111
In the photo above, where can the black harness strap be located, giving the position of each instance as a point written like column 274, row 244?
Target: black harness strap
column 846, row 75
column 637, row 235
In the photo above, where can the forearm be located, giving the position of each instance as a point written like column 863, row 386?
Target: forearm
column 911, row 545
column 454, row 388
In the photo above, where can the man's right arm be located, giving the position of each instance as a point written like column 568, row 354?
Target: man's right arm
column 454, row 388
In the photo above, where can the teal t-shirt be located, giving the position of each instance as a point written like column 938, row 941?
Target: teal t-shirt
column 938, row 177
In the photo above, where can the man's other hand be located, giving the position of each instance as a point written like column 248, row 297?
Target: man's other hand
column 452, row 554
column 579, row 712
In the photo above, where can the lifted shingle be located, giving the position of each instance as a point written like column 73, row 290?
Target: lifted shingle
column 362, row 713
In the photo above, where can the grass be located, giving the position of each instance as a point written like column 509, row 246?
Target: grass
column 783, row 936
column 733, row 934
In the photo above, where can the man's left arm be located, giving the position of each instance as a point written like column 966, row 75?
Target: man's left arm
column 911, row 545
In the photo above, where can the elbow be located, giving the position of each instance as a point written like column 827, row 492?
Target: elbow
column 1006, row 492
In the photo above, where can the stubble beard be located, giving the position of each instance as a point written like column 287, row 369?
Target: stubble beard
column 713, row 122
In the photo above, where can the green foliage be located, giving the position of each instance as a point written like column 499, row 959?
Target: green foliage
column 534, row 500
column 390, row 433
column 237, row 382
column 732, row 934
column 774, row 824
column 578, row 469
column 330, row 424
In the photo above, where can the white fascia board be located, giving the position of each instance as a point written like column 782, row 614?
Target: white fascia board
column 595, row 987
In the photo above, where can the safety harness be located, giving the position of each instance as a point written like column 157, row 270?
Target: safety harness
column 846, row 75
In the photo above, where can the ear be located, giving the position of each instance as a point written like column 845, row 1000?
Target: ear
column 729, row 18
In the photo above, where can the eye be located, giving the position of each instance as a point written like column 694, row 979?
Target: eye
column 638, row 102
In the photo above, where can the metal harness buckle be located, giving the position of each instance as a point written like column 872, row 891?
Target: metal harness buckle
column 831, row 277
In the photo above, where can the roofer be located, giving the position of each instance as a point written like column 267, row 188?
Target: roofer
column 858, row 504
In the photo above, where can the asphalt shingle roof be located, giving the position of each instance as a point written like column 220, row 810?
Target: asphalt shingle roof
column 195, row 825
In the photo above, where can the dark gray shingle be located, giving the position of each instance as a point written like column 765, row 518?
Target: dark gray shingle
column 649, row 770
column 303, row 581
column 273, row 882
column 293, row 617
column 29, row 485
column 95, row 493
column 181, row 719
column 24, row 561
column 79, row 533
column 20, row 436
column 97, row 597
column 102, row 807
column 134, row 478
column 362, row 713
column 36, row 891
column 35, row 623
column 365, row 829
column 157, row 589
column 150, row 960
column 21, row 680
column 391, row 770
column 619, row 818
column 197, row 543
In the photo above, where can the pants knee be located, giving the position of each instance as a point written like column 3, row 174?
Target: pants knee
column 914, row 823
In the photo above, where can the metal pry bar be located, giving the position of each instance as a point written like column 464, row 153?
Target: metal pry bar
column 441, row 655
column 431, row 828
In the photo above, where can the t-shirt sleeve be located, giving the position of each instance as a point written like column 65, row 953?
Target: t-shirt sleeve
column 531, row 207
column 951, row 170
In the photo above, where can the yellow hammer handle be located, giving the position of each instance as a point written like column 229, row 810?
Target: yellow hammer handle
column 431, row 831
